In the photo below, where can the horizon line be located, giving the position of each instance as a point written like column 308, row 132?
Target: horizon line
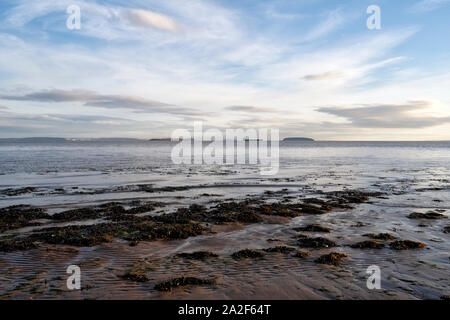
column 74, row 139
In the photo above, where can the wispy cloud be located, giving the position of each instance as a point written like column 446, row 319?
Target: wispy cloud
column 428, row 5
column 408, row 115
column 252, row 109
column 323, row 76
column 330, row 23
column 150, row 19
column 65, row 125
column 93, row 99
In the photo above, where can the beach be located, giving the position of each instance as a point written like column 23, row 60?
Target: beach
column 140, row 227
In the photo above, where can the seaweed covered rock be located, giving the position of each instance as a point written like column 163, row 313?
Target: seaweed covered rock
column 333, row 258
column 76, row 215
column 279, row 249
column 151, row 230
column 302, row 254
column 16, row 244
column 431, row 215
column 91, row 235
column 235, row 212
column 15, row 217
column 138, row 272
column 406, row 244
column 197, row 255
column 368, row 244
column 17, row 191
column 313, row 228
column 380, row 236
column 81, row 236
column 280, row 209
column 169, row 285
column 111, row 211
column 222, row 213
column 318, row 242
column 247, row 253
column 352, row 196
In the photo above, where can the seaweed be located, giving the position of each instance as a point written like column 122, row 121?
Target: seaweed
column 380, row 236
column 16, row 244
column 10, row 192
column 313, row 228
column 169, row 285
column 197, row 255
column 431, row 215
column 247, row 253
column 138, row 272
column 76, row 215
column 368, row 244
column 333, row 258
column 302, row 254
column 279, row 249
column 406, row 244
column 15, row 217
column 318, row 242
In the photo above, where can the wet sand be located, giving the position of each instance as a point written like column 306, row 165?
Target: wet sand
column 132, row 260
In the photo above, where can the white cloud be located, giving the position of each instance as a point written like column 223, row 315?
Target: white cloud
column 146, row 18
column 201, row 57
column 323, row 76
column 331, row 22
column 428, row 5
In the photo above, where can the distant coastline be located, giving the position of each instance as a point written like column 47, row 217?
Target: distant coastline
column 297, row 139
column 287, row 139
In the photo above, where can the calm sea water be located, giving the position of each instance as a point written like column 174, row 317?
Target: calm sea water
column 104, row 163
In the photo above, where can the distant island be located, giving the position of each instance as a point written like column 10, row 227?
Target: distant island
column 296, row 139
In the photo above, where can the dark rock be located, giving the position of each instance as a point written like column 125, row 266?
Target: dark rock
column 333, row 258
column 138, row 272
column 432, row 215
column 247, row 253
column 91, row 235
column 302, row 254
column 15, row 217
column 369, row 244
column 198, row 255
column 406, row 244
column 313, row 228
column 16, row 192
column 16, row 244
column 76, row 214
column 358, row 224
column 380, row 236
column 167, row 286
column 280, row 209
column 315, row 243
column 280, row 249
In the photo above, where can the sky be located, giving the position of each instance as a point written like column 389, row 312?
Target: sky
column 143, row 68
